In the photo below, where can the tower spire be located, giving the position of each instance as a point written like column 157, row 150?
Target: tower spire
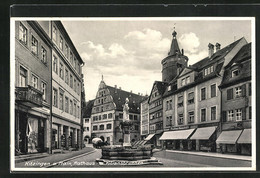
column 174, row 46
column 102, row 77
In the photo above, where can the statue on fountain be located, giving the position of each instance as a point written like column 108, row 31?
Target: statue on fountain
column 126, row 125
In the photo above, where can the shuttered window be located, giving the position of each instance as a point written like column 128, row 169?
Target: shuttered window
column 230, row 94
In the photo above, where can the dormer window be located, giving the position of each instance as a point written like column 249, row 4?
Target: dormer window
column 235, row 73
column 208, row 70
column 185, row 81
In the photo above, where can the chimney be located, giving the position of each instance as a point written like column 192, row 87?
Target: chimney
column 115, row 86
column 217, row 46
column 211, row 49
column 131, row 91
column 119, row 88
column 182, row 51
column 138, row 93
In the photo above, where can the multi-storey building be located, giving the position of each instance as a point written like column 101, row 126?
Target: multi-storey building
column 107, row 113
column 87, row 121
column 155, row 113
column 66, row 88
column 236, row 104
column 144, row 116
column 192, row 101
column 32, row 88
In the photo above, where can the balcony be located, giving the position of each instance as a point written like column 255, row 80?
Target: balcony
column 28, row 96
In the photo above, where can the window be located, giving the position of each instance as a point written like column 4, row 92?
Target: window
column 55, row 97
column 238, row 92
column 78, row 112
column 22, row 33
column 34, row 47
column 238, row 114
column 213, row 90
column 183, row 82
column 180, row 101
column 95, row 127
column 203, row 94
column 169, row 88
column 250, row 112
column 66, row 76
column 188, row 80
column 191, row 117
column 87, row 128
column 101, row 127
column 249, row 89
column 71, row 107
column 79, row 68
column 213, row 113
column 61, row 71
column 203, row 115
column 131, row 117
column 99, row 117
column 55, row 66
column 23, row 77
column 110, row 115
column 44, row 55
column 34, row 81
column 235, row 73
column 54, row 33
column 71, row 58
column 78, row 91
column 66, row 104
column 43, row 91
column 180, row 119
column 61, row 100
column 74, row 62
column 75, row 85
column 74, row 109
column 230, row 115
column 61, row 43
column 136, row 127
column 169, row 121
column 208, row 70
column 230, row 94
column 71, row 81
column 109, row 126
column 105, row 116
column 66, row 50
column 191, row 98
column 86, row 120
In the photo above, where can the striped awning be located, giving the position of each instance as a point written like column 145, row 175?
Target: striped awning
column 177, row 135
column 245, row 137
column 229, row 137
column 149, row 137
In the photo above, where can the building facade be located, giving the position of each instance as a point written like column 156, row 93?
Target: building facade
column 107, row 114
column 32, row 88
column 236, row 104
column 144, row 116
column 66, row 89
column 192, row 102
column 87, row 121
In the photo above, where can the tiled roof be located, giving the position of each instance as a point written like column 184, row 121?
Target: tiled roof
column 87, row 110
column 119, row 97
column 244, row 54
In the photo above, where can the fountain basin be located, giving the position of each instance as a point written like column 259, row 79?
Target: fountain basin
column 119, row 152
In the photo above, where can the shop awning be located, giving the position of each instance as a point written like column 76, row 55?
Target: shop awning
column 176, row 135
column 245, row 137
column 229, row 137
column 203, row 133
column 149, row 137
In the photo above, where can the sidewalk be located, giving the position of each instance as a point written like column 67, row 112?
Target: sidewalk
column 53, row 158
column 212, row 154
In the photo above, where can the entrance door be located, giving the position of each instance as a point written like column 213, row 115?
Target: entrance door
column 23, row 147
column 41, row 126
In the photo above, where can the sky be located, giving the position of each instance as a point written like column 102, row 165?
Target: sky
column 128, row 52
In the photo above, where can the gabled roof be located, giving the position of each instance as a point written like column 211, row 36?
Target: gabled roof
column 87, row 110
column 119, row 97
column 161, row 86
column 220, row 54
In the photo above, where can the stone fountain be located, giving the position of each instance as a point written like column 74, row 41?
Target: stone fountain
column 126, row 154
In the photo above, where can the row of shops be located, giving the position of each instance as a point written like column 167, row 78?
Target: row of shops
column 205, row 139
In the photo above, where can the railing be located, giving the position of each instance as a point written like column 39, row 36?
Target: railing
column 28, row 95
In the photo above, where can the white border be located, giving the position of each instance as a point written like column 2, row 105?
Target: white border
column 133, row 169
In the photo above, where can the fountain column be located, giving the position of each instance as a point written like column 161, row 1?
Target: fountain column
column 126, row 125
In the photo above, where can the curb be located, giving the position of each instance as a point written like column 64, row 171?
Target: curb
column 68, row 159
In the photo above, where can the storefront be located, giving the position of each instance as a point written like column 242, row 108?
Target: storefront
column 205, row 138
column 178, row 140
column 227, row 141
column 245, row 143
